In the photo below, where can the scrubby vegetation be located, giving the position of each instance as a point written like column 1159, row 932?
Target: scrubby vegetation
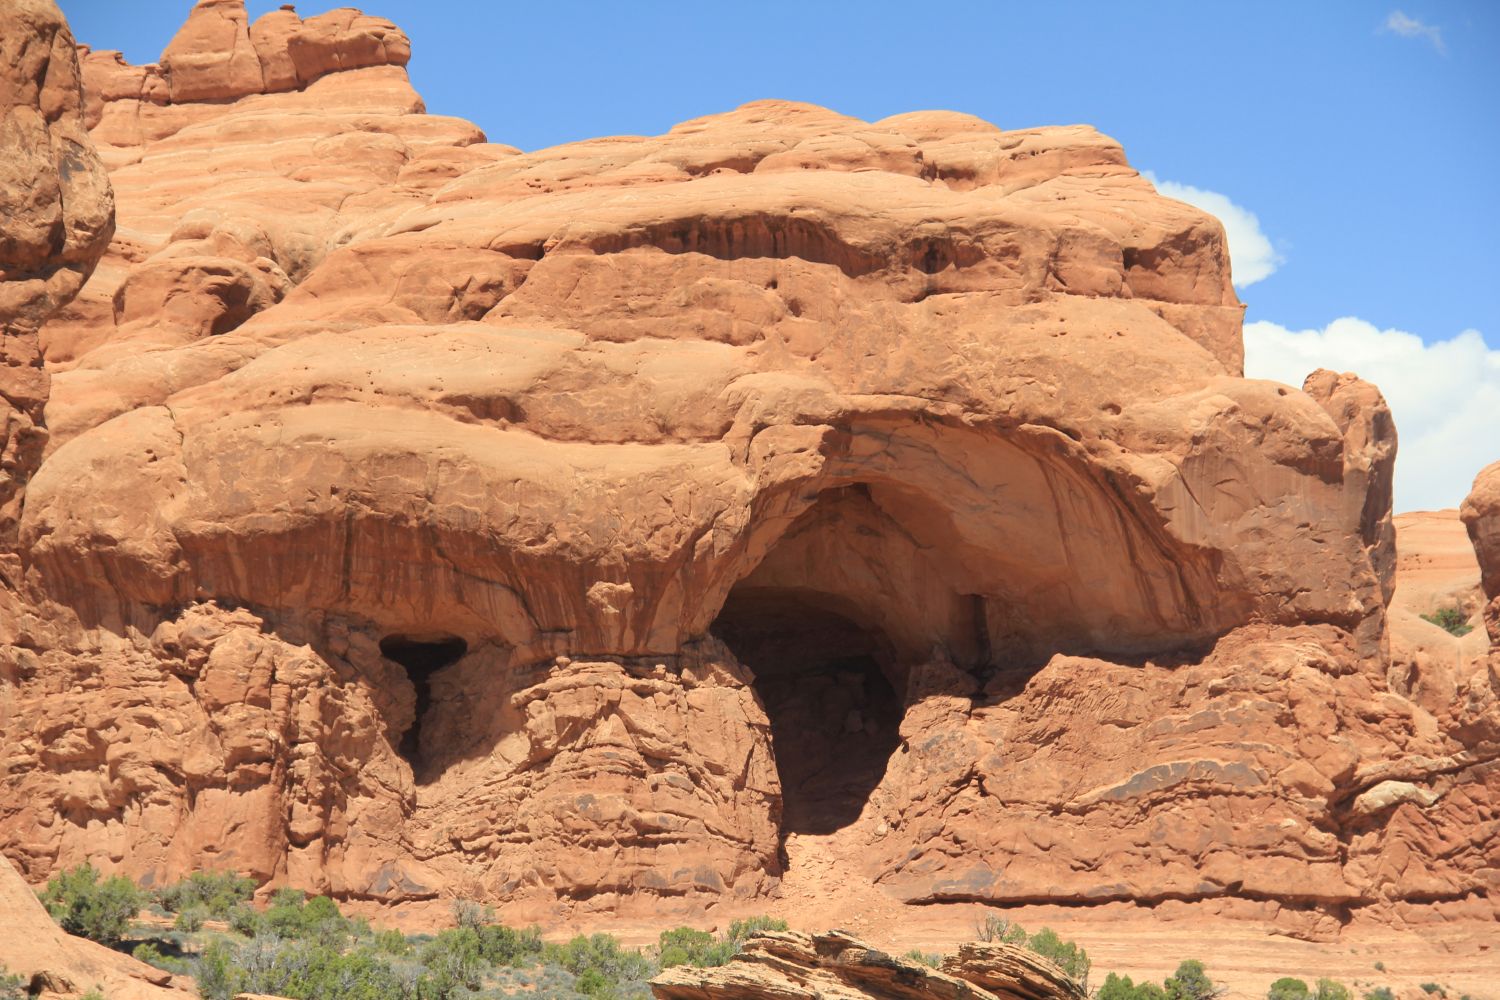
column 305, row 948
column 12, row 987
column 1288, row 988
column 1451, row 620
column 1066, row 955
column 88, row 907
column 1190, row 982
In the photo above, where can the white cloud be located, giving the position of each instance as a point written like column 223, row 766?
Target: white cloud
column 1409, row 27
column 1252, row 258
column 1445, row 396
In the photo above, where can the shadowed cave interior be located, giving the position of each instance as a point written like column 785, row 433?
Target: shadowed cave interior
column 420, row 658
column 826, row 684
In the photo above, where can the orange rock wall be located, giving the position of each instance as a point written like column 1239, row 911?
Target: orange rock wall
column 423, row 517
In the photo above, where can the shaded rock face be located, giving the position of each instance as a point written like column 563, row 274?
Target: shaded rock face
column 566, row 529
column 836, row 966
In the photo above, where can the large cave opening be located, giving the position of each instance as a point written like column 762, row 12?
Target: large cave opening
column 421, row 657
column 829, row 687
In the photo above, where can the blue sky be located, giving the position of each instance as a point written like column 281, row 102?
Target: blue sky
column 1353, row 147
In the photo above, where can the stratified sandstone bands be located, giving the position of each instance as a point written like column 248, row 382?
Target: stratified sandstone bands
column 566, row 529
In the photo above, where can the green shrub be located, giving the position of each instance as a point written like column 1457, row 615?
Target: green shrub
column 1066, row 955
column 150, row 952
column 1121, row 988
column 1329, row 989
column 216, row 894
column 93, row 994
column 1191, row 982
column 301, row 969
column 190, row 920
column 739, row 930
column 604, row 969
column 927, row 958
column 12, row 987
column 293, row 915
column 1000, row 930
column 392, row 942
column 1431, row 988
column 246, row 921
column 1380, row 993
column 506, row 946
column 1287, row 988
column 1451, row 620
column 686, row 946
column 454, row 962
column 100, row 911
column 467, row 913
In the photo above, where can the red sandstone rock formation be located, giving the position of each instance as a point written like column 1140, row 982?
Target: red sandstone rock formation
column 570, row 529
column 836, row 966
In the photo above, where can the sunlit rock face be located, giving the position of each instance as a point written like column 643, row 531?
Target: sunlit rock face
column 569, row 529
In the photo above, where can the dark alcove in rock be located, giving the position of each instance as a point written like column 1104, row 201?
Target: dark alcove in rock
column 421, row 658
column 825, row 682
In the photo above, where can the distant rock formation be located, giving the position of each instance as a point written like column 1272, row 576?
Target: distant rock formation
column 570, row 529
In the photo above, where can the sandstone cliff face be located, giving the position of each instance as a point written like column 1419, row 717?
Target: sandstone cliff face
column 569, row 529
column 56, row 217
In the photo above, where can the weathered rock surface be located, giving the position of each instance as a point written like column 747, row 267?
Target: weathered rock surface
column 56, row 218
column 54, row 964
column 1481, row 515
column 567, row 529
column 836, row 966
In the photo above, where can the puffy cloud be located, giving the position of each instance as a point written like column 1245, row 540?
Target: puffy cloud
column 1398, row 23
column 1251, row 255
column 1445, row 396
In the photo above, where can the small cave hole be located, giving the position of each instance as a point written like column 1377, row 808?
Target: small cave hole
column 826, row 684
column 420, row 657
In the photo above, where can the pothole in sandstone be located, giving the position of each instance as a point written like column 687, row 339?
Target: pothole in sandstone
column 421, row 657
column 826, row 683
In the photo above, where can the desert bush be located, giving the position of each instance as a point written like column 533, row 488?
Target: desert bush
column 739, row 930
column 1329, row 989
column 454, row 962
column 1066, row 955
column 467, row 913
column 1121, row 988
column 12, row 987
column 392, row 942
column 605, row 970
column 506, row 946
column 1451, row 620
column 150, row 952
column 190, row 919
column 300, row 969
column 1288, row 988
column 215, row 893
column 686, row 946
column 1380, row 993
column 83, row 905
column 1000, row 930
column 1191, row 982
column 927, row 958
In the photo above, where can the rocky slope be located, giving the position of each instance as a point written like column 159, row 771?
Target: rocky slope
column 573, row 530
